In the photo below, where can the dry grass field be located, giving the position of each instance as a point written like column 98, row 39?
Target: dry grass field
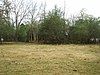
column 30, row 59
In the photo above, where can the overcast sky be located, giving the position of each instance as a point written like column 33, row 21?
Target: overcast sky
column 73, row 7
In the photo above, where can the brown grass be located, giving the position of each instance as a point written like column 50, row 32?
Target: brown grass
column 30, row 59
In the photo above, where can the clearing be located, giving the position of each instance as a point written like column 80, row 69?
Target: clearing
column 32, row 59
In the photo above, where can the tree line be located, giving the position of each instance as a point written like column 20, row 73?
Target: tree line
column 31, row 24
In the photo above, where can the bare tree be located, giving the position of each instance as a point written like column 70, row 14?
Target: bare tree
column 5, row 10
column 34, row 16
column 19, row 11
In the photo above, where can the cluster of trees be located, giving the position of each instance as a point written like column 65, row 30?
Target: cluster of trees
column 43, row 27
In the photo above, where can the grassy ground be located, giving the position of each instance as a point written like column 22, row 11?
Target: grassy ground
column 28, row 59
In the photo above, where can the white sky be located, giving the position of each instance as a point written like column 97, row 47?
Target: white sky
column 73, row 7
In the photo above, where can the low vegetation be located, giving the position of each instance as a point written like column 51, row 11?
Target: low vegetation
column 30, row 59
